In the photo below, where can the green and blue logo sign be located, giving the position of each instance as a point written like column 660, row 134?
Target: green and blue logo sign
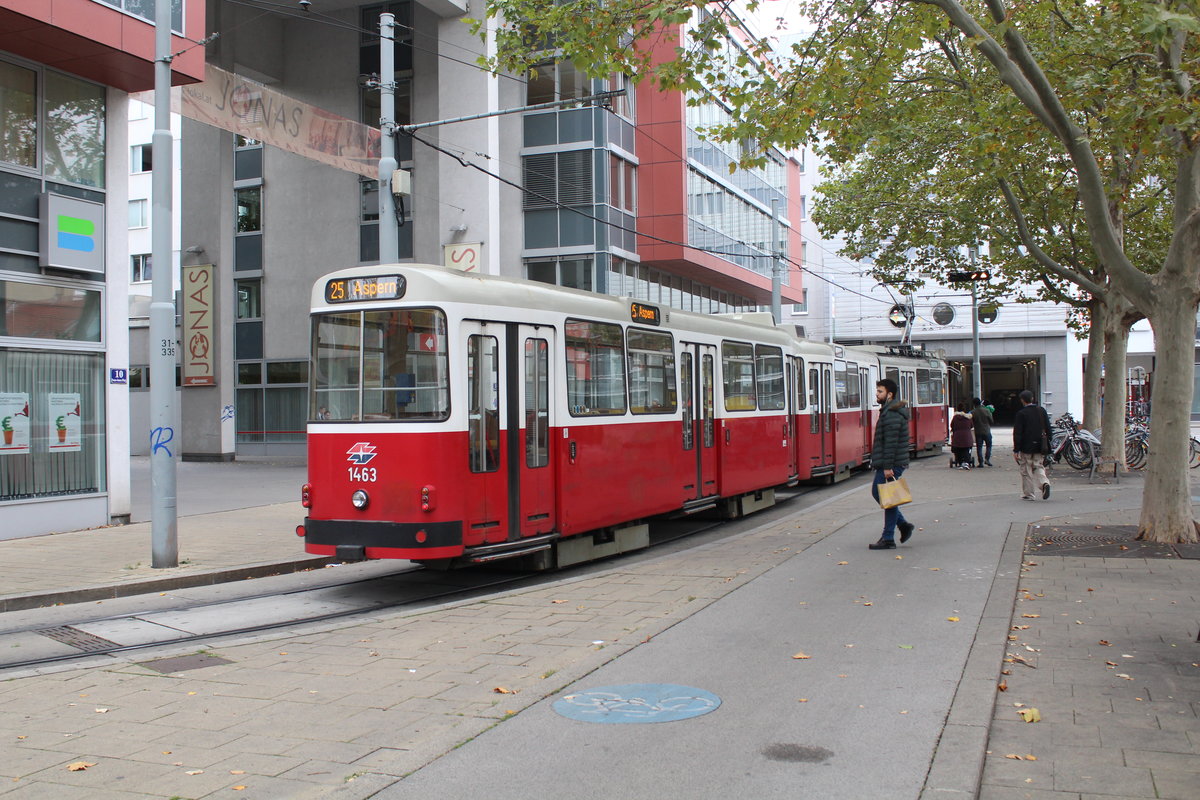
column 72, row 233
column 76, row 234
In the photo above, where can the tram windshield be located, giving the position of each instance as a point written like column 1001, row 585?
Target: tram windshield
column 380, row 365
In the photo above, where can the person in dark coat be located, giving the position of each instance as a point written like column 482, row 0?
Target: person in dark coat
column 962, row 432
column 981, row 415
column 889, row 458
column 1030, row 424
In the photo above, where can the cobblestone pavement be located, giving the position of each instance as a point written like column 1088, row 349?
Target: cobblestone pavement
column 1105, row 649
column 345, row 710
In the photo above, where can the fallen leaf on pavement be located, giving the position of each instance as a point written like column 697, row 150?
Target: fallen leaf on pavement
column 801, row 655
column 1111, row 663
column 556, row 602
column 503, row 690
column 1014, row 755
column 1106, row 643
column 951, row 619
column 1031, row 616
column 935, row 569
column 239, row 788
column 905, row 646
column 1030, row 715
column 101, row 710
column 802, row 700
column 194, row 772
column 899, row 558
column 1123, row 675
column 842, row 563
column 80, row 766
column 1002, row 686
column 237, row 772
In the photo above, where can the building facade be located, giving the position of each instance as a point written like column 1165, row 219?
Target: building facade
column 561, row 196
column 66, row 68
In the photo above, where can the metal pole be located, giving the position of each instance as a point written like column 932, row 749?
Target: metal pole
column 163, row 518
column 389, row 232
column 776, row 265
column 976, row 377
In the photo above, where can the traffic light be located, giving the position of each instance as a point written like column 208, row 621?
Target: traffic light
column 969, row 277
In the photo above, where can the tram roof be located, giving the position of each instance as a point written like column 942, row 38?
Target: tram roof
column 452, row 285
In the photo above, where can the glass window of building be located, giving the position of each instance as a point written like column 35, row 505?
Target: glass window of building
column 73, row 150
column 249, row 299
column 39, row 311
column 559, row 80
column 141, row 158
column 139, row 268
column 18, row 115
column 249, row 209
column 139, row 213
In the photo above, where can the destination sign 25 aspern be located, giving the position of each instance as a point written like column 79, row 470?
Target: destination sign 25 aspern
column 375, row 287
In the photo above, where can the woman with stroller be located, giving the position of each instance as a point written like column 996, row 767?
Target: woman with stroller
column 962, row 437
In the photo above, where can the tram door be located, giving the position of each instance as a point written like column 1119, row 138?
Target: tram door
column 820, row 392
column 867, row 376
column 489, row 409
column 509, row 489
column 795, row 399
column 535, row 470
column 697, row 368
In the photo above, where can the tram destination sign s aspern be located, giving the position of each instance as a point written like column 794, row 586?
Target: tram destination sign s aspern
column 647, row 315
column 375, row 287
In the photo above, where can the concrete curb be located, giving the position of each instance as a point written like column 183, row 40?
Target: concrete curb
column 86, row 594
column 957, row 766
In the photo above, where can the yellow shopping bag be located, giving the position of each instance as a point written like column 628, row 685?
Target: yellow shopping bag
column 894, row 493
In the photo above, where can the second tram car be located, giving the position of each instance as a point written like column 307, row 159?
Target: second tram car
column 459, row 418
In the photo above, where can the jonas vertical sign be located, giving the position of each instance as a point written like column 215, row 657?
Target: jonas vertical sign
column 198, row 321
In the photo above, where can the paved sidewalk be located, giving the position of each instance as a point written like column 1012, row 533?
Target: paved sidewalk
column 409, row 704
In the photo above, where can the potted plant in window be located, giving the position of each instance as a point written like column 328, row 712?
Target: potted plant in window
column 6, row 425
column 61, row 425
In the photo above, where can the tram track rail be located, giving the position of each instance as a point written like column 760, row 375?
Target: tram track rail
column 88, row 638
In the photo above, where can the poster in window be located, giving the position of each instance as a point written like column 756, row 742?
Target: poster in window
column 14, row 422
column 66, row 428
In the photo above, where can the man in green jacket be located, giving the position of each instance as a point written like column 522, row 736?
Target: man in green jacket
column 889, row 458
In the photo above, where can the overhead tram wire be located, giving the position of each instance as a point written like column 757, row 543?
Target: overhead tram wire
column 324, row 19
column 799, row 265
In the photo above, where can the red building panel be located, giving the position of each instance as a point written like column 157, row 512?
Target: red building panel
column 98, row 42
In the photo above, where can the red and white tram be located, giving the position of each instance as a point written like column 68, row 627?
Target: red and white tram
column 460, row 418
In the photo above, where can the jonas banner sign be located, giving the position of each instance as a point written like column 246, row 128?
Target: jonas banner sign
column 198, row 322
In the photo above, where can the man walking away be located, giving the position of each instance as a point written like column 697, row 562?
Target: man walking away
column 1029, row 425
column 983, row 432
column 889, row 458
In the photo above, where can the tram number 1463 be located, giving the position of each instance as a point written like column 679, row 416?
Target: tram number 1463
column 362, row 474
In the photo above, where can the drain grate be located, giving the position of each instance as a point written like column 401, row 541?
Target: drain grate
column 80, row 640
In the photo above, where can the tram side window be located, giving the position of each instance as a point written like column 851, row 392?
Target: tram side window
column 814, row 400
column 483, row 403
column 652, row 387
column 893, row 374
column 687, row 380
column 853, row 387
column 336, row 358
column 769, row 368
column 405, row 369
column 708, row 404
column 938, row 382
column 924, row 388
column 800, row 397
column 595, row 368
column 839, row 384
column 737, row 368
column 537, row 403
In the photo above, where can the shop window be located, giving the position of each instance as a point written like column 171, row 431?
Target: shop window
column 73, row 150
column 52, row 416
column 18, row 115
column 38, row 311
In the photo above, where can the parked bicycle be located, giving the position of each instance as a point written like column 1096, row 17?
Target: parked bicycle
column 1071, row 443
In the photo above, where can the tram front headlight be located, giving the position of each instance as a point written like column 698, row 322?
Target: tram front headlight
column 359, row 499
